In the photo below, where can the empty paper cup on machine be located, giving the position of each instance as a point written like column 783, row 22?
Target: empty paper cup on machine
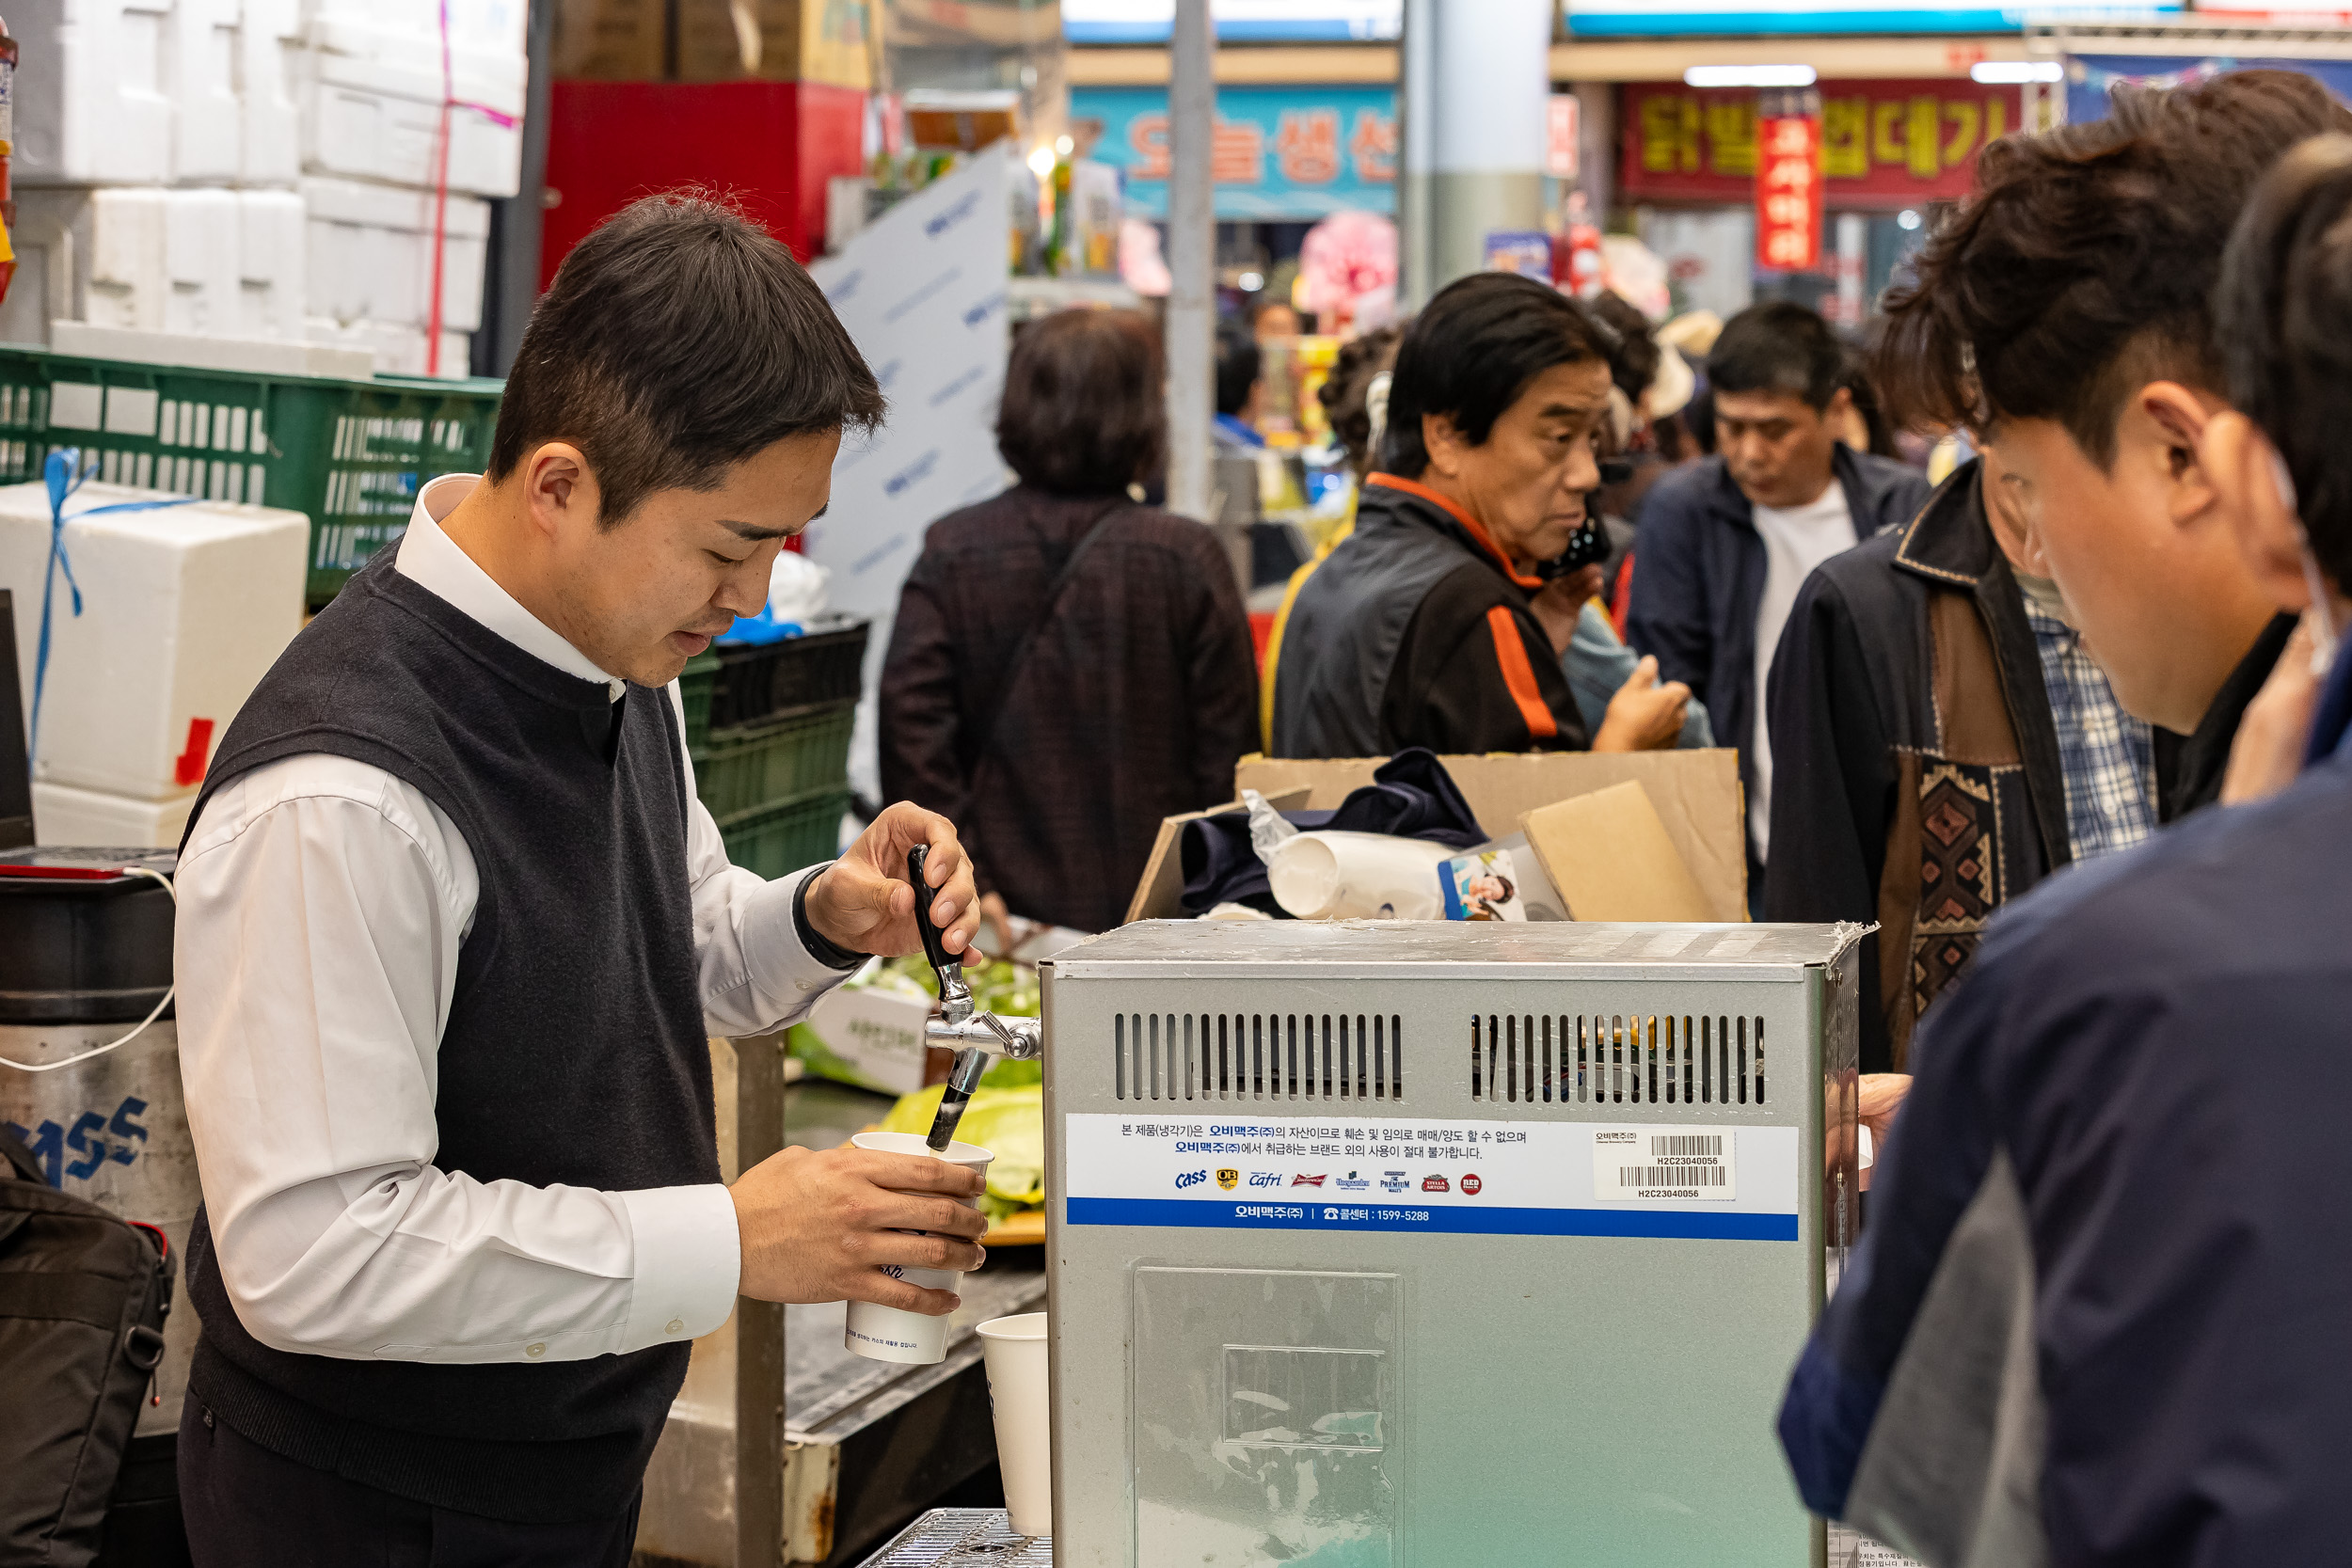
column 891, row 1333
column 1021, row 1396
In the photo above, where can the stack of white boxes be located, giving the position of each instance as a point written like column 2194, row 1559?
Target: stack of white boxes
column 262, row 168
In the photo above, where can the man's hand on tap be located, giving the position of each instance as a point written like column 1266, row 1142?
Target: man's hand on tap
column 862, row 902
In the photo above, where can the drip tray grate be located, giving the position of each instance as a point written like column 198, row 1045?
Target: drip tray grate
column 964, row 1538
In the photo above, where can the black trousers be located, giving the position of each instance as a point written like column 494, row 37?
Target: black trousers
column 249, row 1507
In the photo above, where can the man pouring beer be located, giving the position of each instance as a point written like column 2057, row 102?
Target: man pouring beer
column 455, row 929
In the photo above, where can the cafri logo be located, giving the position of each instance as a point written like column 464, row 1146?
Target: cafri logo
column 1229, row 1178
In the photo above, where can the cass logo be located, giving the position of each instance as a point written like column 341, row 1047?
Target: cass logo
column 1314, row 1180
column 1471, row 1185
column 1265, row 1178
column 1229, row 1178
column 1190, row 1179
column 1434, row 1185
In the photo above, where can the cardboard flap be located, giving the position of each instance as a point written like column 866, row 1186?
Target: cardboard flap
column 1160, row 895
column 1609, row 854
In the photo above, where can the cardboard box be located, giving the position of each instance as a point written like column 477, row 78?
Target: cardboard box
column 872, row 1038
column 611, row 40
column 1609, row 856
column 774, row 40
column 1695, row 796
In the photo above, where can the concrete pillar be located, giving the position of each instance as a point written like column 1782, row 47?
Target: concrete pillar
column 1191, row 320
column 1476, row 80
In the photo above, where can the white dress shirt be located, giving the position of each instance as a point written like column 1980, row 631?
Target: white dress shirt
column 322, row 906
column 1796, row 540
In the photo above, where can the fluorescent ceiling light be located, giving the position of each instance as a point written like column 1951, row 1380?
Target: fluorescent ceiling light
column 1749, row 76
column 2006, row 72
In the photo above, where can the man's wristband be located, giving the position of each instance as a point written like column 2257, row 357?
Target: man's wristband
column 821, row 947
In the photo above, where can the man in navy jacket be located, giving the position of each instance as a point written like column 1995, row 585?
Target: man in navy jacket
column 1725, row 545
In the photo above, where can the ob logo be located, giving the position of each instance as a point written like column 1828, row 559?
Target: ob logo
column 1229, row 1178
column 1190, row 1179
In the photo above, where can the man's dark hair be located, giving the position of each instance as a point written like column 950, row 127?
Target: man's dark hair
column 1779, row 346
column 1238, row 367
column 1637, row 360
column 1083, row 413
column 1472, row 351
column 677, row 339
column 2284, row 314
column 2083, row 264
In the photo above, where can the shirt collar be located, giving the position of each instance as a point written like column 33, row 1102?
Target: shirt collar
column 434, row 561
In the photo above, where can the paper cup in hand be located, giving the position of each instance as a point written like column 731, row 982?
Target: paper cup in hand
column 1020, row 1394
column 891, row 1333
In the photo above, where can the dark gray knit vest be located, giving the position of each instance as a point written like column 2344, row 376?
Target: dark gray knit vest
column 575, row 1051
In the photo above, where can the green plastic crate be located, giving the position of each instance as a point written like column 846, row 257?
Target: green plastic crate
column 743, row 769
column 778, row 839
column 349, row 455
column 693, row 689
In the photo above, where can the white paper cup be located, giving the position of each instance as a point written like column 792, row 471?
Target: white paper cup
column 1021, row 1395
column 1344, row 876
column 891, row 1333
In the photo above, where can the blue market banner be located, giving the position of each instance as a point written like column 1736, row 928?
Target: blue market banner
column 1280, row 152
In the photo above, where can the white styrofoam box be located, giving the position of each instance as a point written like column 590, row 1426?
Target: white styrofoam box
column 184, row 610
column 63, row 816
column 496, row 27
column 140, row 258
column 365, row 119
column 370, row 255
column 270, row 150
column 273, row 254
column 201, row 78
column 391, row 348
column 92, row 104
column 201, row 269
column 260, row 356
column 87, row 255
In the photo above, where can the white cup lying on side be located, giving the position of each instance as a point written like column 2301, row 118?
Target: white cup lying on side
column 892, row 1333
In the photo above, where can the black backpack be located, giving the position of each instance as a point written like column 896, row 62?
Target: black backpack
column 83, row 1296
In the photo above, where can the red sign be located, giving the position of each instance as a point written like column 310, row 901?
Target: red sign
column 1789, row 193
column 1884, row 145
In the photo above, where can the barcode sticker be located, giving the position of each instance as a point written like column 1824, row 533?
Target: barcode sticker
column 1663, row 1162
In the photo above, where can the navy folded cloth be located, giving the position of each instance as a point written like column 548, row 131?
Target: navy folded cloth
column 1412, row 795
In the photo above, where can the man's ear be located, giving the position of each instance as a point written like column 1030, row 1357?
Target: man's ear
column 2241, row 461
column 2176, row 419
column 1840, row 404
column 559, row 489
column 1443, row 443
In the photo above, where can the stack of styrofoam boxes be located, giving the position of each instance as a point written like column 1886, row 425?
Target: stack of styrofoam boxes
column 261, row 167
column 152, row 194
column 370, row 85
column 183, row 609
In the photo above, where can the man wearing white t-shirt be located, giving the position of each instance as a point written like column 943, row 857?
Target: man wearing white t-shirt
column 1725, row 545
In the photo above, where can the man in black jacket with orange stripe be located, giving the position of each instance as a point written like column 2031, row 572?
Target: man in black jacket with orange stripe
column 1421, row 628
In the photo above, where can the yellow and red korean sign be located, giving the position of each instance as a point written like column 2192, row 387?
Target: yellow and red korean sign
column 1883, row 145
